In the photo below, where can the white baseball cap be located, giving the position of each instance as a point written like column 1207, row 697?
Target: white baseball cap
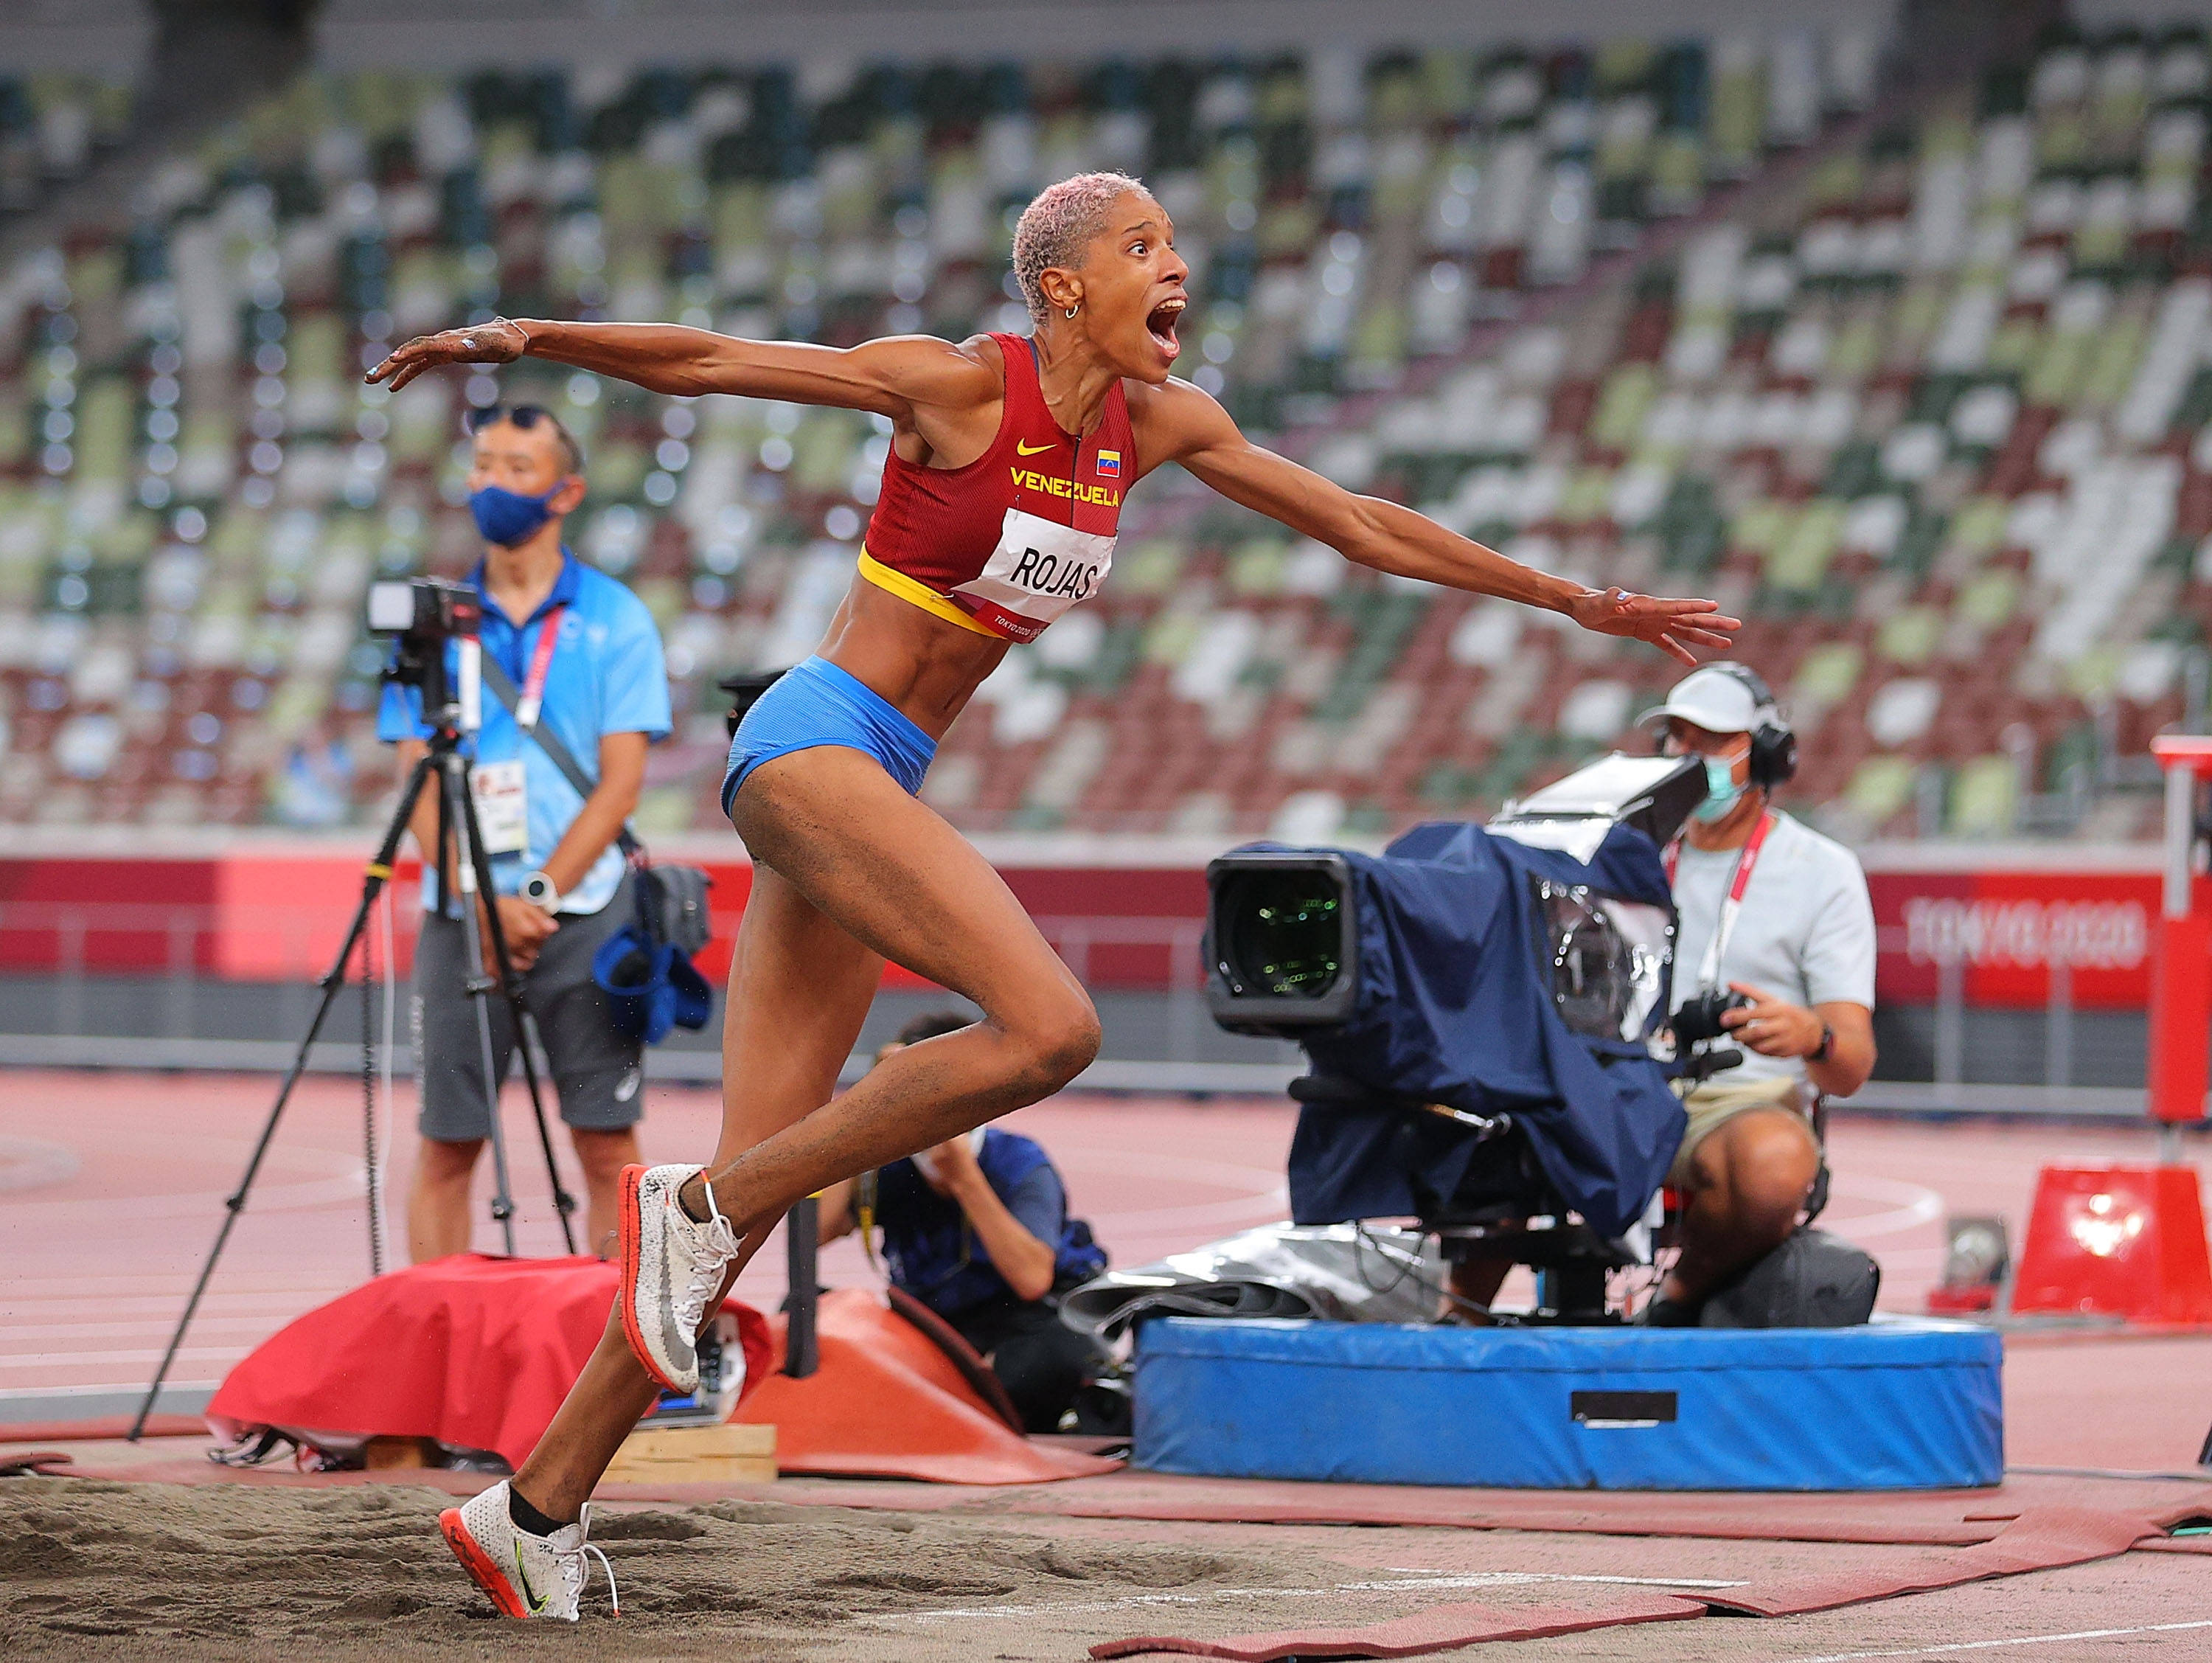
column 1715, row 698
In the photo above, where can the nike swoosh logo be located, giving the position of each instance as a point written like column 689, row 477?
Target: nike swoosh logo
column 528, row 1594
column 1021, row 449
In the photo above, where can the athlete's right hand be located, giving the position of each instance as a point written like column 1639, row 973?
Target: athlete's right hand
column 1681, row 629
column 499, row 341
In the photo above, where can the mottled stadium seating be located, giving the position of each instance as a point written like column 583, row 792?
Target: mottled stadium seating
column 1914, row 380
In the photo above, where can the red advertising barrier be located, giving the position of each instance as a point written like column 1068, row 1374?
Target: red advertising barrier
column 256, row 913
column 2006, row 928
column 262, row 914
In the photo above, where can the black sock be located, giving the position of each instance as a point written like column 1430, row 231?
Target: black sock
column 699, row 1214
column 528, row 1518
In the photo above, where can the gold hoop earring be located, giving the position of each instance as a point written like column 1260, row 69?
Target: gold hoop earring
column 1072, row 310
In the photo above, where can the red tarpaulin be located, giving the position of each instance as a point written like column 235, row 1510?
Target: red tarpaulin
column 472, row 1351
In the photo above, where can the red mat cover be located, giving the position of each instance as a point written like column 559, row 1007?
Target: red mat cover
column 100, row 1427
column 2176, row 1544
column 1441, row 1628
column 2041, row 1539
column 473, row 1350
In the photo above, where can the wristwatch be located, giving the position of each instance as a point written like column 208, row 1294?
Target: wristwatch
column 1820, row 1052
column 537, row 890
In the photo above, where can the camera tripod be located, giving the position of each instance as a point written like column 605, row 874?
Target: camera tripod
column 458, row 826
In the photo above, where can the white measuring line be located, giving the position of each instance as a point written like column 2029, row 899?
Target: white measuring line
column 1492, row 1579
column 2020, row 1640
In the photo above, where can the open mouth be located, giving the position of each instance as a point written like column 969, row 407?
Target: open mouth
column 1160, row 323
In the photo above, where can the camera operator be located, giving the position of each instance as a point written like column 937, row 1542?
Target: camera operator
column 1776, row 918
column 977, row 1229
column 586, row 656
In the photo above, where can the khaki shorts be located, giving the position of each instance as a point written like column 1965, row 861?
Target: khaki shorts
column 1714, row 1104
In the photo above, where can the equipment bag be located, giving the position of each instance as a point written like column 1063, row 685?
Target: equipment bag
column 1813, row 1280
column 645, row 967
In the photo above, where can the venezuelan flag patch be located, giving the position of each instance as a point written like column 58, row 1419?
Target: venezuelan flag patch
column 1109, row 463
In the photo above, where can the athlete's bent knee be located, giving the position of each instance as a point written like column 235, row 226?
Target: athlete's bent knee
column 1058, row 1045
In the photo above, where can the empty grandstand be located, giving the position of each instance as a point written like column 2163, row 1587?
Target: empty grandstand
column 1911, row 372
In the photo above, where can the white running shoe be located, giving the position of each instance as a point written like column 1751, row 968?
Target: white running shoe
column 672, row 1266
column 526, row 1576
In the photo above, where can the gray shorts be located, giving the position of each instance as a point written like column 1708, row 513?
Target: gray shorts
column 597, row 1071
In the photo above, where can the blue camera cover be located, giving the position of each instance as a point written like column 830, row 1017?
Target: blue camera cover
column 1455, row 1006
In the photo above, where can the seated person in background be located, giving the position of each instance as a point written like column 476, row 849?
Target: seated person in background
column 977, row 1229
column 1799, row 944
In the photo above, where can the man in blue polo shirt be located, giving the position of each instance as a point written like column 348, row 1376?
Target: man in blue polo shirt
column 585, row 657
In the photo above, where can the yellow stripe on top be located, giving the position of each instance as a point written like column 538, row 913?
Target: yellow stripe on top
column 919, row 593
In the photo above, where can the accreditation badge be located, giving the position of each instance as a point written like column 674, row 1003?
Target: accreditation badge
column 503, row 806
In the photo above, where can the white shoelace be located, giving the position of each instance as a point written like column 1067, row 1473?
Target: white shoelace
column 706, row 1278
column 574, row 1571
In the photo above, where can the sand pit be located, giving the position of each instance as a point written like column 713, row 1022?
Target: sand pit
column 100, row 1568
column 89, row 1568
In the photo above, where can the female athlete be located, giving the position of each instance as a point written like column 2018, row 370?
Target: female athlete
column 1009, row 457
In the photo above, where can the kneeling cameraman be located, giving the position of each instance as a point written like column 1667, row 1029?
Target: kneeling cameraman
column 1778, row 917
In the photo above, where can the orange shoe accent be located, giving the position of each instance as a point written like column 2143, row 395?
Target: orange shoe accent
column 484, row 1574
column 631, row 1223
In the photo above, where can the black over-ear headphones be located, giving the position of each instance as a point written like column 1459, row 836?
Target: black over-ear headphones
column 1773, row 745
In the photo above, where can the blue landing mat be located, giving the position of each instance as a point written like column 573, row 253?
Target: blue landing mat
column 1902, row 1403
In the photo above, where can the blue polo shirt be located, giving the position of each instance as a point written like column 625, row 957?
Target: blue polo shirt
column 932, row 1249
column 607, row 676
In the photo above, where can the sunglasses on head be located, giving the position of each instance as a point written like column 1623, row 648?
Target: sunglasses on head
column 525, row 417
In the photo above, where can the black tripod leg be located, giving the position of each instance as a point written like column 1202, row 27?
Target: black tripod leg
column 377, row 874
column 802, row 1353
column 511, row 984
column 468, row 872
column 370, row 1153
column 564, row 1202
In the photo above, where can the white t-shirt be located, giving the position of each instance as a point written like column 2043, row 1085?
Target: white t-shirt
column 1805, row 932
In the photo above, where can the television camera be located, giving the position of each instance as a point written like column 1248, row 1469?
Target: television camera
column 1485, row 1015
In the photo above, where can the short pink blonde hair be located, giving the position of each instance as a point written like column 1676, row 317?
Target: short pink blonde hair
column 1059, row 224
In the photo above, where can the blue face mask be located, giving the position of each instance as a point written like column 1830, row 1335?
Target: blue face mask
column 508, row 517
column 1722, row 792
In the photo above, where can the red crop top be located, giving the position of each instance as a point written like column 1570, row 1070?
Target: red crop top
column 1005, row 544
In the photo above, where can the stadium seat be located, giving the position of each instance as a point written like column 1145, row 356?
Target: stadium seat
column 1930, row 422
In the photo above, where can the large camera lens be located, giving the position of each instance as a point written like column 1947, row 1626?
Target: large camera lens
column 1285, row 933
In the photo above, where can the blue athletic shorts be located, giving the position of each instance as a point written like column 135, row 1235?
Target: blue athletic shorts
column 817, row 703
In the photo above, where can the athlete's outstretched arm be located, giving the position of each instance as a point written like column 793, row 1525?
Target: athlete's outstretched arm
column 892, row 377
column 1179, row 423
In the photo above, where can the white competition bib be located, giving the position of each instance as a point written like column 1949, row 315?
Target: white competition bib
column 1039, row 569
column 503, row 806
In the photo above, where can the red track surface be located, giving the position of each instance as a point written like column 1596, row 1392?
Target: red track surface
column 99, row 1260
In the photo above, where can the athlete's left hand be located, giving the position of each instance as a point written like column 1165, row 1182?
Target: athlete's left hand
column 498, row 341
column 1677, row 627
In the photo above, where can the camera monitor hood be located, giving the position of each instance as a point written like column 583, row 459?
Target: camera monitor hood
column 1653, row 795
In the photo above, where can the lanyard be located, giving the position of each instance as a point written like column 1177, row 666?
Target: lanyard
column 1709, row 973
column 533, row 685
